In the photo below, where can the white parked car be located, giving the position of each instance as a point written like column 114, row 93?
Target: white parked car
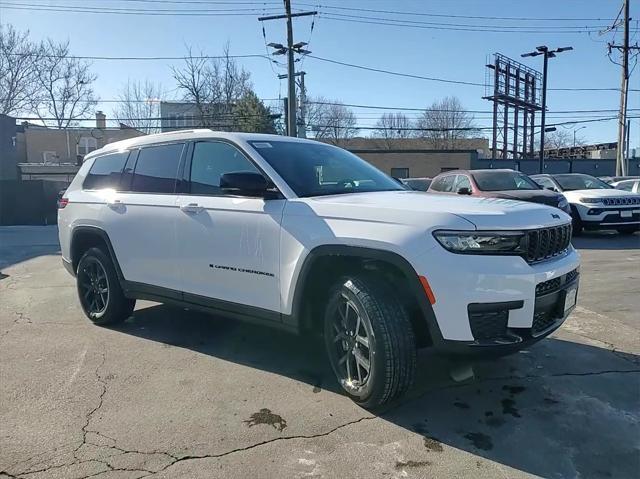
column 632, row 185
column 594, row 203
column 305, row 236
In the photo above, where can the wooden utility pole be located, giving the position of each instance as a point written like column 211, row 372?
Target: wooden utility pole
column 291, row 71
column 621, row 167
column 624, row 90
column 290, row 49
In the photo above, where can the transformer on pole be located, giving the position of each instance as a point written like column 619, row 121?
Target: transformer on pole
column 514, row 89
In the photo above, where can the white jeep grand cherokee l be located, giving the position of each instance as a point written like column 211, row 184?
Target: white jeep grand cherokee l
column 305, row 236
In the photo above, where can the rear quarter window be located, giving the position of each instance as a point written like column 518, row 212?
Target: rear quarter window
column 105, row 172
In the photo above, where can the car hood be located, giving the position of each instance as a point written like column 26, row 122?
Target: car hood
column 595, row 193
column 545, row 197
column 437, row 211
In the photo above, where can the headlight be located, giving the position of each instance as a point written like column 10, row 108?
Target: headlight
column 590, row 201
column 482, row 242
column 563, row 203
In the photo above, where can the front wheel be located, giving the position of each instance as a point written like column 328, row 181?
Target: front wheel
column 101, row 297
column 369, row 340
column 576, row 222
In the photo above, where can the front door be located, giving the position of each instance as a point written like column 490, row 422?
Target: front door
column 230, row 244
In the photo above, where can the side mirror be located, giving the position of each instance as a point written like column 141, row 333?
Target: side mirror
column 246, row 183
column 464, row 191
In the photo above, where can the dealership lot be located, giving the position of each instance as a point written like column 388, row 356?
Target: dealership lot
column 174, row 393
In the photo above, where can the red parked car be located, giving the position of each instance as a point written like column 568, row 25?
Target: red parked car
column 506, row 184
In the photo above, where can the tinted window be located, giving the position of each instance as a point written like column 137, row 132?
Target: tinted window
column 314, row 169
column 212, row 160
column 105, row 172
column 580, row 182
column 503, row 181
column 157, row 169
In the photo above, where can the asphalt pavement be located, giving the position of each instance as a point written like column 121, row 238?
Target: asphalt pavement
column 174, row 393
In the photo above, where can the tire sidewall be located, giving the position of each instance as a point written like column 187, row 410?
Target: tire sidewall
column 374, row 385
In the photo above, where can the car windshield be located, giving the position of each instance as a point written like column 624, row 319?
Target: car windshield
column 314, row 169
column 580, row 182
column 503, row 181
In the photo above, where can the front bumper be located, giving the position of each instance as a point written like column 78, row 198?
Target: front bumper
column 594, row 216
column 520, row 300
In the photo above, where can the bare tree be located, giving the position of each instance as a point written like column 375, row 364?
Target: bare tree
column 561, row 138
column 212, row 85
column 445, row 122
column 331, row 120
column 64, row 92
column 139, row 105
column 18, row 59
column 393, row 126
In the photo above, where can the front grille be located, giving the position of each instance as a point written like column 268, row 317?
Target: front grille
column 571, row 275
column 622, row 201
column 555, row 284
column 546, row 243
column 488, row 324
column 542, row 320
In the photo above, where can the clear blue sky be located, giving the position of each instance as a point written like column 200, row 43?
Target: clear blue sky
column 458, row 55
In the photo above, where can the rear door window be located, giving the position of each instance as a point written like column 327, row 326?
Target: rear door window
column 156, row 170
column 105, row 172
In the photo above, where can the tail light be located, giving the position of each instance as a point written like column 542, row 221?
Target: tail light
column 62, row 202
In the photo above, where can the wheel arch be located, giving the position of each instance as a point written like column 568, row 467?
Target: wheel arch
column 327, row 262
column 85, row 237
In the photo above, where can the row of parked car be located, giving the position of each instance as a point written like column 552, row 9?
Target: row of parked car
column 593, row 203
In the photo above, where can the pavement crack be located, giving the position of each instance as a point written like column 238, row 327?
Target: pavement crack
column 260, row 444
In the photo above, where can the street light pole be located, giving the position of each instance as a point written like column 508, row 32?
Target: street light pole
column 544, row 107
column 544, row 50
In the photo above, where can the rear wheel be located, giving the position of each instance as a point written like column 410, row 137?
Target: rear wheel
column 369, row 340
column 101, row 297
column 628, row 230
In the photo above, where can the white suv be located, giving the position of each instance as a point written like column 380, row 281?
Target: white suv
column 594, row 203
column 307, row 237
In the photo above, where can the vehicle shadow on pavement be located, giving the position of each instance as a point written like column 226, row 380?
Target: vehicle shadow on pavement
column 562, row 408
column 606, row 240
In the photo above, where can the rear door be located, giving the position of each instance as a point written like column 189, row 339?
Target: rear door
column 229, row 244
column 141, row 218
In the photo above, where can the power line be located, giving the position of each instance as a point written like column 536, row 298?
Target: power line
column 145, row 12
column 442, row 25
column 324, row 126
column 440, row 15
column 390, row 23
column 443, row 80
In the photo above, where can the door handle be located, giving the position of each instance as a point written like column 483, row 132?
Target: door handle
column 115, row 204
column 192, row 208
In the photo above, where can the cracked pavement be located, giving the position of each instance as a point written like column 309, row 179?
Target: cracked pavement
column 174, row 393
